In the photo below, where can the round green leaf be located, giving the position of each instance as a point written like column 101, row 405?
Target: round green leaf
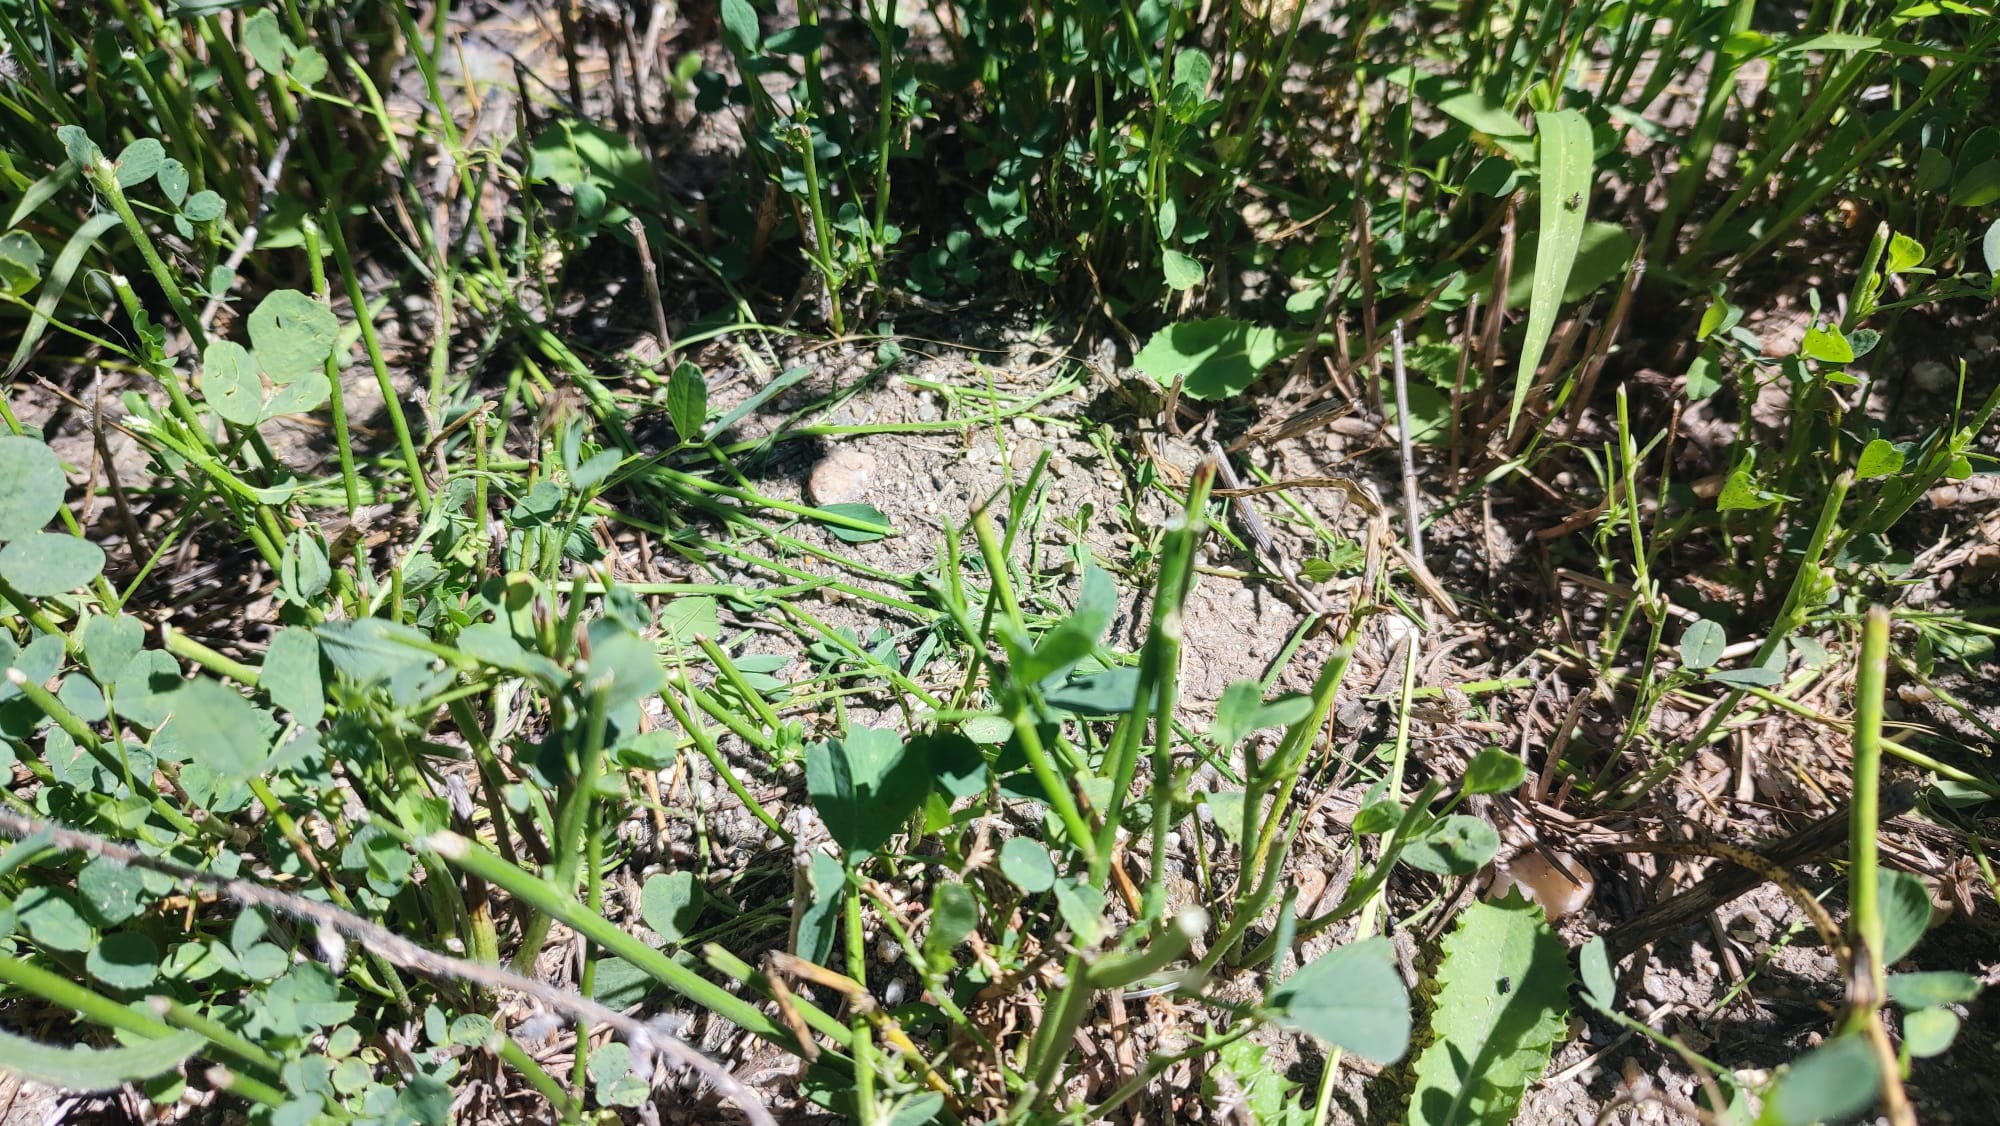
column 1928, row 1032
column 1990, row 247
column 1702, row 644
column 1352, row 998
column 1879, row 458
column 20, row 262
column 229, row 382
column 865, row 784
column 202, row 206
column 112, row 892
column 174, row 180
column 1930, row 988
column 1828, row 1084
column 48, row 563
column 1218, row 357
column 125, row 960
column 1493, row 771
column 140, row 161
column 52, row 920
column 292, row 334
column 31, row 486
column 211, row 724
column 1906, row 914
column 671, row 904
column 1027, row 865
column 1454, row 846
column 1183, row 271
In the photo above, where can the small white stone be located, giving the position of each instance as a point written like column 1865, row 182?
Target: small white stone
column 1931, row 375
column 841, row 477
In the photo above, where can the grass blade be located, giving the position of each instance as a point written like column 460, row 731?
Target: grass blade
column 1564, row 154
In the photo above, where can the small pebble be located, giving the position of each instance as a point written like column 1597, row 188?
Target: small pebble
column 841, row 477
column 1931, row 375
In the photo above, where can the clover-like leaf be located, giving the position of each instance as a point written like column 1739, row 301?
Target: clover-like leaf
column 140, row 162
column 50, row 563
column 292, row 334
column 214, row 725
column 229, row 382
column 865, row 784
column 1350, row 997
column 31, row 486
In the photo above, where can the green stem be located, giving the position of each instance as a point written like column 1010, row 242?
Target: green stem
column 1865, row 813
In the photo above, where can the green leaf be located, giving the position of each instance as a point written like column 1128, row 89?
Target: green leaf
column 1906, row 913
column 1932, row 988
column 66, row 265
column 1454, row 846
column 1026, row 865
column 916, row 1110
column 292, row 334
column 684, row 617
column 50, row 563
column 1564, row 154
column 1600, row 986
column 827, row 881
column 865, row 785
column 671, row 904
column 303, row 395
column 1879, row 458
column 109, row 642
column 954, row 916
column 1082, row 909
column 20, row 262
column 1074, row 637
column 1501, row 1004
column 1183, row 271
column 52, row 920
column 304, row 570
column 229, row 382
column 1494, row 771
column 1826, row 345
column 687, row 402
column 202, row 206
column 92, row 1070
column 264, row 43
column 1747, row 678
column 173, row 180
column 140, row 162
column 1929, row 1032
column 623, row 663
column 1831, row 1083
column 31, row 486
column 956, row 764
column 1978, row 186
column 1218, row 357
column 1702, row 643
column 739, row 22
column 290, row 675
column 1990, row 248
column 214, row 725
column 112, row 892
column 858, row 511
column 1350, row 997
column 1905, row 253
column 125, row 960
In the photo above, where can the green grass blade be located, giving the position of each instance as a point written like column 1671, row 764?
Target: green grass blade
column 57, row 283
column 1564, row 154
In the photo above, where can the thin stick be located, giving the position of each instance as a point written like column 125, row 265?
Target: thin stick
column 646, row 1038
column 1413, row 513
column 651, row 276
